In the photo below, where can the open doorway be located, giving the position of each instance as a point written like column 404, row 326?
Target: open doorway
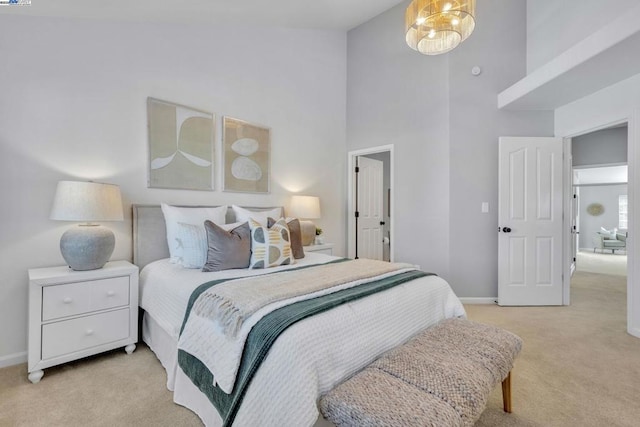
column 370, row 203
column 600, row 217
column 600, row 181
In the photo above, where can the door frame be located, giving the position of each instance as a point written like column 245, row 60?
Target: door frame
column 633, row 150
column 351, row 220
column 567, row 235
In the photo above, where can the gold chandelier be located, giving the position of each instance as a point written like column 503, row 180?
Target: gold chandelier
column 438, row 26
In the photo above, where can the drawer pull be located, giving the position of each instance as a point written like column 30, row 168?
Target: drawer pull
column 67, row 300
column 89, row 332
column 110, row 293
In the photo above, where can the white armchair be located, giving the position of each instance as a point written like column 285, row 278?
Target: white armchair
column 604, row 241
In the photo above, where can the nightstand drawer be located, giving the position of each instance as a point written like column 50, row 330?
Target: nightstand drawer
column 84, row 297
column 85, row 332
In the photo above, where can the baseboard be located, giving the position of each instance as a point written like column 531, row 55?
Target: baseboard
column 634, row 331
column 493, row 300
column 13, row 359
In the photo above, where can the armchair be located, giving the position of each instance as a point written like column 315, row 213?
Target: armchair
column 604, row 241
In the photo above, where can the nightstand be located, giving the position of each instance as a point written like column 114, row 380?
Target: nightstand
column 325, row 248
column 74, row 314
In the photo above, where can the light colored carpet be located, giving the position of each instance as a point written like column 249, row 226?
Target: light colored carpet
column 578, row 367
column 603, row 263
column 112, row 389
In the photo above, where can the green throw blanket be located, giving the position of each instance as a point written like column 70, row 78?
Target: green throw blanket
column 265, row 333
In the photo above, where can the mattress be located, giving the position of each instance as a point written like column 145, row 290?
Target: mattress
column 309, row 358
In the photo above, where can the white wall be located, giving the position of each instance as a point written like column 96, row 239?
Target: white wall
column 554, row 26
column 445, row 126
column 607, row 195
column 607, row 146
column 73, row 106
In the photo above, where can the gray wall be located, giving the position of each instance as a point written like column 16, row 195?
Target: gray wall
column 475, row 124
column 445, row 126
column 73, row 106
column 554, row 26
column 607, row 146
column 607, row 195
column 396, row 96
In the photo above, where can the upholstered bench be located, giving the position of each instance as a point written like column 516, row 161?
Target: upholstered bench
column 441, row 377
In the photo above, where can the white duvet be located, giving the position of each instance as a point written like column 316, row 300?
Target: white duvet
column 315, row 354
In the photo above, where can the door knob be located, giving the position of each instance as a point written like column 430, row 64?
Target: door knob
column 506, row 229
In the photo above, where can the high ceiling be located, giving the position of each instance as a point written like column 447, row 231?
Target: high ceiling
column 316, row 14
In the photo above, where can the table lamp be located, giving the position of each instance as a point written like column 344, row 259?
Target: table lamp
column 87, row 246
column 306, row 207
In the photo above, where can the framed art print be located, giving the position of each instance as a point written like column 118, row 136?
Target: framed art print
column 246, row 156
column 180, row 146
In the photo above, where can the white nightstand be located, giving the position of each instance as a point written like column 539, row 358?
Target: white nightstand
column 325, row 248
column 74, row 314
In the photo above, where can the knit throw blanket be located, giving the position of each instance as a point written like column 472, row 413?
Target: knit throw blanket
column 231, row 303
column 263, row 336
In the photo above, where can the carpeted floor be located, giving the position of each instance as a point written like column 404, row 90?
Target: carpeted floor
column 578, row 367
column 602, row 262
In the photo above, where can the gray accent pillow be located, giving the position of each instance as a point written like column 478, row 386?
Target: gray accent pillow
column 227, row 249
column 295, row 234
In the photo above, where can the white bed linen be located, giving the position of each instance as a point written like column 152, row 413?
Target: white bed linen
column 165, row 287
column 221, row 353
column 315, row 354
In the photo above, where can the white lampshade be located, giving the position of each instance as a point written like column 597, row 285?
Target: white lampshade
column 87, row 246
column 307, row 207
column 87, row 201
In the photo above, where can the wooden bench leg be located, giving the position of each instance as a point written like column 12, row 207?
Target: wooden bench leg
column 506, row 393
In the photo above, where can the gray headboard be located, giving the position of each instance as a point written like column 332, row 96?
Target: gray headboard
column 150, row 233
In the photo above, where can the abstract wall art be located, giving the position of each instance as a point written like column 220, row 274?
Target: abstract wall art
column 180, row 146
column 246, row 156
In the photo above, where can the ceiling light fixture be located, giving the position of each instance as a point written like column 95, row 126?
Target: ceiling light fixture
column 438, row 26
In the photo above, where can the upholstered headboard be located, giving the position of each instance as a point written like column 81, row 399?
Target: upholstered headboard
column 150, row 233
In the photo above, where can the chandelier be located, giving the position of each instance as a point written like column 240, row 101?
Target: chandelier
column 438, row 26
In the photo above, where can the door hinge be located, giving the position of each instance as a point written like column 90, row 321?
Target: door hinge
column 574, row 259
column 575, row 196
column 357, row 169
column 357, row 214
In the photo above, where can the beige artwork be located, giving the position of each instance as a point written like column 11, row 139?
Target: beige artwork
column 246, row 156
column 180, row 146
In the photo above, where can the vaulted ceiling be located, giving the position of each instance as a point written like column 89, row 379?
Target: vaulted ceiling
column 316, row 14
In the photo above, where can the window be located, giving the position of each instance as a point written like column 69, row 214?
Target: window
column 623, row 211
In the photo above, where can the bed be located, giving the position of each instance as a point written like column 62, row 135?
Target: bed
column 308, row 359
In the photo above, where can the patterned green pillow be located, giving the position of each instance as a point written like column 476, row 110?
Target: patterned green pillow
column 270, row 246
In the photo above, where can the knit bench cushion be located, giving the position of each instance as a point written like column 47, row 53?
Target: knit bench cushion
column 442, row 377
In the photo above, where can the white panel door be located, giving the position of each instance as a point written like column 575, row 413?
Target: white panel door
column 370, row 208
column 530, row 221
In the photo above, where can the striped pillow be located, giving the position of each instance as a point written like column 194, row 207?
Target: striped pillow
column 270, row 247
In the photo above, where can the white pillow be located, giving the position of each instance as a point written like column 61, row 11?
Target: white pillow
column 195, row 216
column 261, row 217
column 194, row 243
column 611, row 233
